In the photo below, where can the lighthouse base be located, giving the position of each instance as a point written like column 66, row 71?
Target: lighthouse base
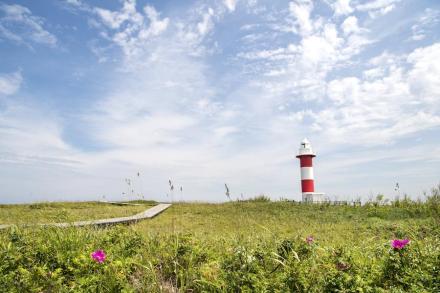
column 313, row 197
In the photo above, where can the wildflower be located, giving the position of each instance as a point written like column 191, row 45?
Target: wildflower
column 98, row 255
column 399, row 243
column 310, row 239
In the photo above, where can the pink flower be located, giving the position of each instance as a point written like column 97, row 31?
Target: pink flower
column 98, row 255
column 310, row 239
column 399, row 243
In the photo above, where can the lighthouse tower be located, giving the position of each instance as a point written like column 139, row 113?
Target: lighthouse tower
column 305, row 156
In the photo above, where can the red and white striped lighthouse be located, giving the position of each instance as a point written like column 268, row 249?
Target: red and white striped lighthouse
column 305, row 156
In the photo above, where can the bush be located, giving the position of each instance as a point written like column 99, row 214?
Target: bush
column 259, row 198
column 350, row 252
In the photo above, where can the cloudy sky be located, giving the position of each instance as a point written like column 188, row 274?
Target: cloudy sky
column 214, row 92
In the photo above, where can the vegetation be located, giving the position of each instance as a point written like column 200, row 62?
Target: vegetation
column 250, row 246
column 50, row 212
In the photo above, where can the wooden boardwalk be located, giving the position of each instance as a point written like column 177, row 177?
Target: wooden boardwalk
column 147, row 214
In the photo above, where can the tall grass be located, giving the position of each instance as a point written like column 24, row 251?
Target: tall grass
column 65, row 212
column 253, row 246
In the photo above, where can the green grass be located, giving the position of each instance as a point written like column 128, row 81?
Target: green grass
column 284, row 219
column 50, row 212
column 250, row 246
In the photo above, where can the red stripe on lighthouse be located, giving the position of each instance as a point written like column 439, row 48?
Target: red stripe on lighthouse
column 305, row 161
column 307, row 185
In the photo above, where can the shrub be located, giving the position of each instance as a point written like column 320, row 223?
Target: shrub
column 259, row 198
column 331, row 249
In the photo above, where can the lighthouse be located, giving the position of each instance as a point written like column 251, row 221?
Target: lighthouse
column 305, row 156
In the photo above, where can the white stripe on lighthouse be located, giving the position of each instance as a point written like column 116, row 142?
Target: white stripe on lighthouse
column 306, row 173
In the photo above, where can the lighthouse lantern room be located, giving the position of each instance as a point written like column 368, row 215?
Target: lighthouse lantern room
column 305, row 156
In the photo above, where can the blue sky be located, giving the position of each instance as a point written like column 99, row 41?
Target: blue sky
column 214, row 92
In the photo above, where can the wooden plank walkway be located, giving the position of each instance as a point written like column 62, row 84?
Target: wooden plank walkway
column 147, row 214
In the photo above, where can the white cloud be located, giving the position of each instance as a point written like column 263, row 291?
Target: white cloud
column 134, row 31
column 344, row 90
column 301, row 10
column 425, row 23
column 373, row 73
column 206, row 24
column 424, row 77
column 350, row 25
column 316, row 49
column 385, row 58
column 10, row 83
column 342, row 7
column 157, row 26
column 156, row 103
column 274, row 54
column 74, row 2
column 128, row 15
column 30, row 134
column 19, row 24
column 374, row 5
column 223, row 131
column 230, row 4
column 130, row 29
column 393, row 102
column 194, row 32
column 306, row 64
column 150, row 130
column 378, row 7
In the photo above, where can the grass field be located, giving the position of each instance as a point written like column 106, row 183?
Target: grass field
column 65, row 212
column 284, row 219
column 250, row 246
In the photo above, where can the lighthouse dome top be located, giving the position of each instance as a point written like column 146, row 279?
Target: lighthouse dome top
column 305, row 148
